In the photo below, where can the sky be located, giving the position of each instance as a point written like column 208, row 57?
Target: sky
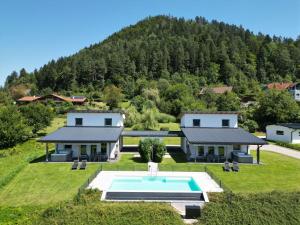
column 32, row 32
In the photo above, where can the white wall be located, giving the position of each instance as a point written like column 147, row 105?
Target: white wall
column 95, row 119
column 271, row 133
column 209, row 120
column 111, row 148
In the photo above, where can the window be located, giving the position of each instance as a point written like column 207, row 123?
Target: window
column 67, row 147
column 83, row 150
column 279, row 132
column 200, row 150
column 211, row 150
column 221, row 150
column 225, row 123
column 78, row 121
column 108, row 121
column 236, row 147
column 103, row 149
column 196, row 123
column 299, row 133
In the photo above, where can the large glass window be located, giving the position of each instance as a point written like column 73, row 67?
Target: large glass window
column 279, row 132
column 68, row 147
column 83, row 150
column 200, row 150
column 108, row 121
column 103, row 149
column 78, row 121
column 196, row 122
column 236, row 147
column 211, row 150
column 225, row 123
column 221, row 150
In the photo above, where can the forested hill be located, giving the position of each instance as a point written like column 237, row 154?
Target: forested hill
column 172, row 48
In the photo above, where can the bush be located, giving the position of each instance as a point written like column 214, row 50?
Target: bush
column 149, row 148
column 145, row 149
column 132, row 117
column 37, row 115
column 149, row 121
column 250, row 125
column 165, row 118
column 13, row 128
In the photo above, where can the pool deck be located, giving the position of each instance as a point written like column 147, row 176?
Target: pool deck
column 104, row 179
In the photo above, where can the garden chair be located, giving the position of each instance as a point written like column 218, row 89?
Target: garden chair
column 226, row 166
column 75, row 165
column 83, row 164
column 235, row 167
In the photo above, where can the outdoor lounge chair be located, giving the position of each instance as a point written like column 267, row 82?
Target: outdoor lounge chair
column 235, row 166
column 83, row 165
column 75, row 165
column 226, row 166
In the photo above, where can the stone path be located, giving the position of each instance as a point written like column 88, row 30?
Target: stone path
column 279, row 149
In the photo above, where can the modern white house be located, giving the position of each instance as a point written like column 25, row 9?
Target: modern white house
column 284, row 132
column 295, row 91
column 92, row 135
column 216, row 137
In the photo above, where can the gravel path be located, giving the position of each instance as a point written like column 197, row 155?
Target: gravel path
column 279, row 149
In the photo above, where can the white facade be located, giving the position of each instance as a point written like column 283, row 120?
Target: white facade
column 209, row 120
column 283, row 134
column 91, row 151
column 295, row 91
column 95, row 119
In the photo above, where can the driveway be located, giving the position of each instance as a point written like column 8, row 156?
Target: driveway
column 279, row 149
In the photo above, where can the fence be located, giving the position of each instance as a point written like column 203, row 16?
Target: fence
column 88, row 181
column 217, row 180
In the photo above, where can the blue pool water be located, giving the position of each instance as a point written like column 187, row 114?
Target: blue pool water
column 154, row 183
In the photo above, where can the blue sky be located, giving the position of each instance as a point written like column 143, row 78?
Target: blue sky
column 32, row 32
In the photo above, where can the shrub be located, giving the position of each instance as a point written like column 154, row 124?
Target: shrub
column 132, row 117
column 165, row 118
column 149, row 148
column 13, row 128
column 149, row 121
column 145, row 148
column 159, row 150
column 250, row 125
column 38, row 116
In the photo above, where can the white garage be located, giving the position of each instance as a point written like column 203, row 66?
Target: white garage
column 284, row 132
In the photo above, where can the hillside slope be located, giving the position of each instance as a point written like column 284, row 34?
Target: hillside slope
column 161, row 46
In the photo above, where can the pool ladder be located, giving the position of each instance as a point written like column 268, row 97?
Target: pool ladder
column 152, row 168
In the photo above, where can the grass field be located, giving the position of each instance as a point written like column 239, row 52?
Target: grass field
column 44, row 183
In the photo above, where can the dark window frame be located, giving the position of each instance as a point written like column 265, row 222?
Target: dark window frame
column 195, row 122
column 77, row 123
column 106, row 120
column 279, row 132
column 227, row 121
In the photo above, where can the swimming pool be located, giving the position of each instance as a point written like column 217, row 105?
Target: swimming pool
column 154, row 183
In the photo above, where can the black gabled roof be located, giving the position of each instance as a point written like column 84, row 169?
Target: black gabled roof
column 151, row 133
column 290, row 125
column 96, row 111
column 220, row 136
column 72, row 134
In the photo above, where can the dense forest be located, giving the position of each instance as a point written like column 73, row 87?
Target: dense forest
column 163, row 47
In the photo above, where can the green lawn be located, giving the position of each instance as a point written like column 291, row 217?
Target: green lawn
column 44, row 183
column 167, row 140
column 277, row 172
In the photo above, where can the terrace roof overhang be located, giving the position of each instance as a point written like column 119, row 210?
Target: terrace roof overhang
column 150, row 133
column 76, row 134
column 220, row 136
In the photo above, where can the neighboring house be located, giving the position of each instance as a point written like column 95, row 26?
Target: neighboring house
column 76, row 100
column 292, row 88
column 217, row 90
column 216, row 137
column 90, row 134
column 284, row 132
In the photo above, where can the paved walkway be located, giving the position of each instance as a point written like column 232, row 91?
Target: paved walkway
column 279, row 149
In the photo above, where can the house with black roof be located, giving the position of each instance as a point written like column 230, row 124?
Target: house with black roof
column 284, row 132
column 97, row 135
